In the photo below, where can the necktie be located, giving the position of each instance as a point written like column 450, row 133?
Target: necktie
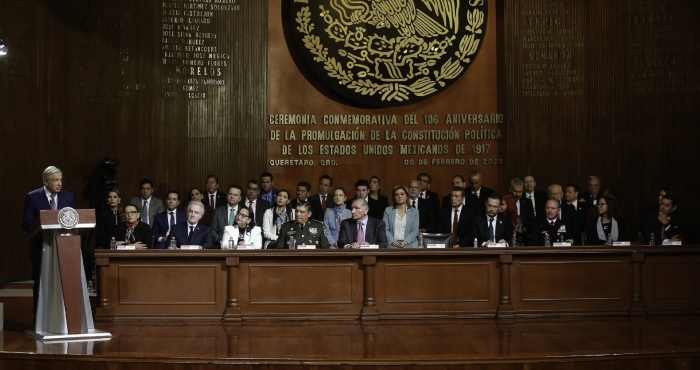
column 250, row 204
column 172, row 218
column 492, row 233
column 53, row 202
column 455, row 226
column 413, row 203
column 231, row 216
column 189, row 237
column 360, row 234
column 534, row 209
column 212, row 201
column 663, row 233
column 551, row 223
column 144, row 212
column 323, row 201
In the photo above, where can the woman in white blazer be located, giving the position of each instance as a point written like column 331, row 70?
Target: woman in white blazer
column 401, row 221
column 242, row 233
column 274, row 218
column 334, row 216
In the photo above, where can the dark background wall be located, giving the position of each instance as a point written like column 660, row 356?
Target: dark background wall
column 586, row 87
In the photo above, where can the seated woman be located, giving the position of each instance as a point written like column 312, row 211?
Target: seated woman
column 334, row 216
column 274, row 218
column 401, row 221
column 132, row 231
column 244, row 232
column 608, row 223
column 108, row 218
column 375, row 191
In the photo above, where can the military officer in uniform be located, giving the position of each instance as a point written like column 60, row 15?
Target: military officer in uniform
column 303, row 230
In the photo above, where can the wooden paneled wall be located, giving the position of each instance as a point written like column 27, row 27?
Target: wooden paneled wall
column 632, row 119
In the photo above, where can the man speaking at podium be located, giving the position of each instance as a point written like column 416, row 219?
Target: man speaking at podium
column 48, row 197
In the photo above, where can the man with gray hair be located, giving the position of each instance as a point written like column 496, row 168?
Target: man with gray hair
column 361, row 229
column 49, row 197
column 590, row 197
column 192, row 232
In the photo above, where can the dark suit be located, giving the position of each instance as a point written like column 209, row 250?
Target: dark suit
column 375, row 207
column 503, row 229
column 375, row 232
column 272, row 196
column 541, row 225
column 478, row 203
column 161, row 226
column 426, row 216
column 329, row 201
column 220, row 220
column 434, row 200
column 527, row 213
column 576, row 217
column 142, row 233
column 316, row 212
column 107, row 222
column 466, row 215
column 676, row 227
column 200, row 236
column 541, row 199
column 589, row 199
column 219, row 200
column 34, row 202
column 155, row 206
column 259, row 212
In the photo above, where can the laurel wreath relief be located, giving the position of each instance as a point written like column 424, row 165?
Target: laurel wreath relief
column 364, row 52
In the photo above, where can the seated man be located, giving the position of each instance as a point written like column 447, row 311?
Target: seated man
column 361, row 229
column 191, row 232
column 492, row 227
column 303, row 230
column 457, row 219
column 164, row 221
column 551, row 225
column 666, row 224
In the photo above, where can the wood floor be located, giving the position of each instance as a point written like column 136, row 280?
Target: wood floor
column 611, row 343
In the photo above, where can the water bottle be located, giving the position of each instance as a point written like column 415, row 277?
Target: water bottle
column 173, row 243
column 113, row 244
column 608, row 241
column 514, row 241
column 651, row 239
column 231, row 244
column 547, row 240
column 476, row 243
column 292, row 243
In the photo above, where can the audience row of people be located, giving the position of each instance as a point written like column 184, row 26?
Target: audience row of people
column 473, row 215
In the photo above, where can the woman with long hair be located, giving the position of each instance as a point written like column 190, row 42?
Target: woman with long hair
column 608, row 223
column 274, row 218
column 401, row 221
column 375, row 192
column 109, row 217
column 244, row 232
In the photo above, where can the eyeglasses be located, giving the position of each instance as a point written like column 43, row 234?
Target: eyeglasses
column 131, row 213
column 242, row 215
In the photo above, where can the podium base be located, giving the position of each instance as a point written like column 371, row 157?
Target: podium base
column 92, row 334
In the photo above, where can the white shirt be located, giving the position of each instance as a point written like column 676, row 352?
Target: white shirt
column 400, row 226
column 48, row 196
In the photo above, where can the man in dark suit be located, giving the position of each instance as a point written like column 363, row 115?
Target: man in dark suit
column 433, row 199
column 192, row 232
column 324, row 198
column 147, row 201
column 166, row 220
column 259, row 206
column 551, row 225
column 267, row 192
column 666, row 224
column 362, row 192
column 537, row 197
column 213, row 198
column 524, row 212
column 457, row 219
column 426, row 216
column 567, row 213
column 361, row 229
column 580, row 210
column 48, row 197
column 477, row 194
column 302, row 230
column 457, row 180
column 226, row 216
column 491, row 227
column 590, row 197
column 303, row 192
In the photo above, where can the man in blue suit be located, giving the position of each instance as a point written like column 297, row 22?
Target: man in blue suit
column 191, row 232
column 47, row 197
column 166, row 220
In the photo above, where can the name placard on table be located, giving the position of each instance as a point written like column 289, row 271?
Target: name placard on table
column 562, row 244
column 190, row 247
column 303, row 246
column 126, row 247
column 369, row 246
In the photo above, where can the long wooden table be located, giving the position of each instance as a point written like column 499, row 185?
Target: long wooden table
column 390, row 284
